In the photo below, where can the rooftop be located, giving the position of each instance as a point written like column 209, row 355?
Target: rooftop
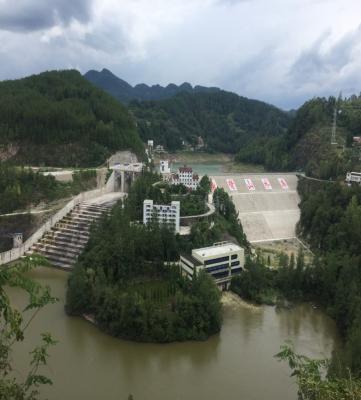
column 216, row 249
column 185, row 169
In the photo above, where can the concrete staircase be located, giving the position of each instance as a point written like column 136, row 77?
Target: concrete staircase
column 67, row 239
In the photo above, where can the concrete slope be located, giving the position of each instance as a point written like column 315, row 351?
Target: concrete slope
column 268, row 209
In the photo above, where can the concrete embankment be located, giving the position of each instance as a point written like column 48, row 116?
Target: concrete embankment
column 267, row 204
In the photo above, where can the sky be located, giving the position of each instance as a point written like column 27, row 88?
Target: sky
column 279, row 51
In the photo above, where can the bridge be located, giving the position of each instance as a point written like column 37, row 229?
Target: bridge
column 125, row 174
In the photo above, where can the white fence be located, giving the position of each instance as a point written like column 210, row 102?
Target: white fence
column 16, row 253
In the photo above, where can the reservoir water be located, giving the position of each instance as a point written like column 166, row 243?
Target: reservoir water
column 211, row 168
column 237, row 364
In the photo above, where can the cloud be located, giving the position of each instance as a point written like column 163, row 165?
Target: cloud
column 280, row 51
column 328, row 64
column 33, row 15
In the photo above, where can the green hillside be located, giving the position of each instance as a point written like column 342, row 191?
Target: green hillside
column 224, row 120
column 307, row 144
column 58, row 118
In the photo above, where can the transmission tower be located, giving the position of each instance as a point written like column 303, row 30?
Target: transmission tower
column 334, row 125
column 334, row 121
column 338, row 109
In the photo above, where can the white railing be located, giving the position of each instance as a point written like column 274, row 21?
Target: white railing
column 16, row 253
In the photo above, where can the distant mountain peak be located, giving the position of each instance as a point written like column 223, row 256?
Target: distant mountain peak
column 124, row 92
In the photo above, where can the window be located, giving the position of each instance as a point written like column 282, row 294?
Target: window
column 217, row 268
column 234, row 263
column 216, row 260
column 236, row 271
column 234, row 256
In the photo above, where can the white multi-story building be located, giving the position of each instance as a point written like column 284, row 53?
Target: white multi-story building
column 186, row 177
column 164, row 167
column 165, row 214
column 222, row 260
column 353, row 177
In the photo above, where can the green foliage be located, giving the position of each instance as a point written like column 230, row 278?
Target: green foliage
column 226, row 209
column 20, row 187
column 256, row 283
column 142, row 189
column 123, row 279
column 58, row 118
column 224, row 120
column 307, row 143
column 330, row 216
column 13, row 329
column 312, row 379
column 192, row 203
column 205, row 185
column 330, row 220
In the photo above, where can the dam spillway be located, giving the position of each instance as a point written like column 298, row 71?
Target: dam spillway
column 267, row 204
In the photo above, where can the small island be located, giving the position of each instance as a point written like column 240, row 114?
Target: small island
column 128, row 281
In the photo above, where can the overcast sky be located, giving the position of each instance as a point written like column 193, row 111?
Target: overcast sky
column 280, row 51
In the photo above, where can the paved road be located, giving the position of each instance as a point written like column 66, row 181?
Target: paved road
column 266, row 214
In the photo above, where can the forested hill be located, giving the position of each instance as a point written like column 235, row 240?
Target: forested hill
column 225, row 121
column 124, row 92
column 307, row 144
column 58, row 118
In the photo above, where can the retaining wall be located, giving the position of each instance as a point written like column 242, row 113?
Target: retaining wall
column 16, row 253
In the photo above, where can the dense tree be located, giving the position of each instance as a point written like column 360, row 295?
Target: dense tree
column 21, row 187
column 307, row 143
column 330, row 221
column 224, row 120
column 255, row 283
column 58, row 118
column 125, row 281
column 226, row 209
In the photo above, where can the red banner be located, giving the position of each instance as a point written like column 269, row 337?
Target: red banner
column 266, row 183
column 250, row 185
column 232, row 185
column 283, row 183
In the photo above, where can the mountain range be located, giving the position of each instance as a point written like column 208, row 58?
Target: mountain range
column 125, row 92
column 176, row 115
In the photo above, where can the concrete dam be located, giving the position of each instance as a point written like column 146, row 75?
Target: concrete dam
column 267, row 203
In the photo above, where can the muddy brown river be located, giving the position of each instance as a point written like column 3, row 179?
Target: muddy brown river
column 237, row 364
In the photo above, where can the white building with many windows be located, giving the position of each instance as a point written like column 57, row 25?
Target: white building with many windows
column 186, row 177
column 165, row 214
column 353, row 177
column 222, row 260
